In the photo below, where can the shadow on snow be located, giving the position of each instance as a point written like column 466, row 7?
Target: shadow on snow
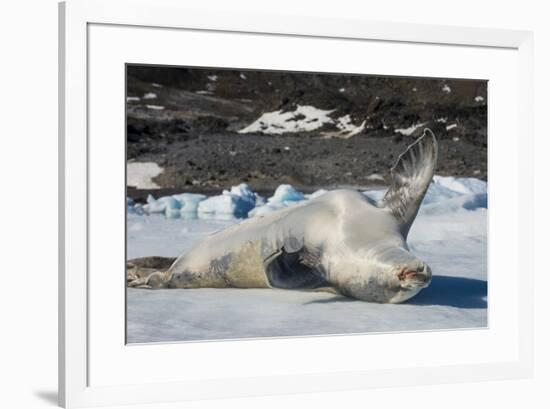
column 458, row 292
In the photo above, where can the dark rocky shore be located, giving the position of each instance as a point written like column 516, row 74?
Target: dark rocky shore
column 187, row 121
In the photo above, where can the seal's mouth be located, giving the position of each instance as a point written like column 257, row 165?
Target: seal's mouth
column 415, row 278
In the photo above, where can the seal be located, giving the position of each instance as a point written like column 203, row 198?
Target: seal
column 341, row 241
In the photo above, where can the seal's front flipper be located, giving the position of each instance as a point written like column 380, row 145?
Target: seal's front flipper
column 410, row 177
column 293, row 270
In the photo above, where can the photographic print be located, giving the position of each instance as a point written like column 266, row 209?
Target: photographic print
column 279, row 204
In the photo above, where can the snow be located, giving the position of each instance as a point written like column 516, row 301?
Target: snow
column 141, row 174
column 347, row 128
column 150, row 95
column 132, row 99
column 375, row 177
column 213, row 78
column 409, row 131
column 304, row 118
column 451, row 126
column 155, row 107
column 243, row 77
column 479, row 98
column 446, row 89
column 154, row 84
column 450, row 233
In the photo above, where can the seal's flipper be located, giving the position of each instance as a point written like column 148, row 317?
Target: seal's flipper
column 410, row 178
column 294, row 270
column 148, row 272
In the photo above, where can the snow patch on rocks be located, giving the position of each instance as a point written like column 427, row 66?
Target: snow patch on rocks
column 140, row 174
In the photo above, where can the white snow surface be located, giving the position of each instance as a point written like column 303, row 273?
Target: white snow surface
column 141, row 174
column 450, row 233
column 409, row 131
column 304, row 119
column 155, row 107
column 451, row 126
column 347, row 128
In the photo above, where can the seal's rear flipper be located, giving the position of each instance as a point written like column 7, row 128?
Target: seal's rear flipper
column 410, row 177
column 148, row 272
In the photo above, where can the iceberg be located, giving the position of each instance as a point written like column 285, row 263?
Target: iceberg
column 237, row 202
column 469, row 202
column 316, row 194
column 448, row 187
column 284, row 196
column 166, row 204
column 445, row 194
column 189, row 202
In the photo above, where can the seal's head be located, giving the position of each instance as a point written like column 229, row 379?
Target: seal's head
column 387, row 275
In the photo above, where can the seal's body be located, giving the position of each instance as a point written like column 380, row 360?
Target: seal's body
column 340, row 241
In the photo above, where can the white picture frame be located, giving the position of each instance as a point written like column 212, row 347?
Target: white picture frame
column 80, row 386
